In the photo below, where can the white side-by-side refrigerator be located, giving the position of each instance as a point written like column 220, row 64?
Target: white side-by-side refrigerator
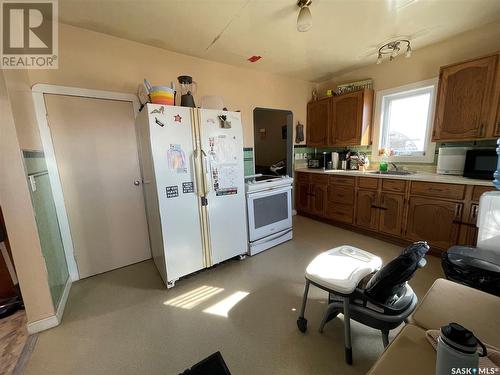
column 193, row 180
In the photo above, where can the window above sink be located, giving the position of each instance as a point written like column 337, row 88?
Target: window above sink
column 403, row 122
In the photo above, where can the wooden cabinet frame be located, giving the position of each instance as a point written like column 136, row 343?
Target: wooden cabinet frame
column 449, row 124
column 338, row 121
column 457, row 202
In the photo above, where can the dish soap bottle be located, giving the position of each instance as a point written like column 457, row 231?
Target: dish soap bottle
column 382, row 166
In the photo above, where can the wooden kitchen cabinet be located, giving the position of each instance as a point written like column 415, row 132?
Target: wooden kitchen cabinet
column 351, row 119
column 311, row 193
column 465, row 107
column 302, row 196
column 471, row 230
column 434, row 221
column 318, row 122
column 396, row 210
column 366, row 214
column 318, row 198
column 391, row 213
column 496, row 99
column 497, row 126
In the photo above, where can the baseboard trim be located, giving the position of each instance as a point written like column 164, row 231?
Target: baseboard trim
column 42, row 324
column 64, row 299
column 54, row 320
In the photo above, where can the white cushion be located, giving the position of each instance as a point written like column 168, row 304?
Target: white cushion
column 342, row 268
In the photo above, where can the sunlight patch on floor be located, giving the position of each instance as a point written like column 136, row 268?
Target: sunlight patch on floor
column 194, row 297
column 223, row 307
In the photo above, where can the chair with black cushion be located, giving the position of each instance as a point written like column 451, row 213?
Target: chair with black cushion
column 359, row 289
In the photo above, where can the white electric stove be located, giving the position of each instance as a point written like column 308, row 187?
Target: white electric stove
column 269, row 207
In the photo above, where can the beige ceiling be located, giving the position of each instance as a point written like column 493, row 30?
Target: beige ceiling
column 345, row 33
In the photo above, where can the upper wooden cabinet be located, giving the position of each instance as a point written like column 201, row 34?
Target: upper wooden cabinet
column 465, row 107
column 497, row 126
column 343, row 120
column 496, row 99
column 351, row 119
column 318, row 122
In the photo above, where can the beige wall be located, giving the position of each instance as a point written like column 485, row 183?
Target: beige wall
column 21, row 101
column 17, row 208
column 425, row 62
column 97, row 61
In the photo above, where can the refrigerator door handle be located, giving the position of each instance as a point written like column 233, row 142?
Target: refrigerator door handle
column 207, row 181
column 198, row 173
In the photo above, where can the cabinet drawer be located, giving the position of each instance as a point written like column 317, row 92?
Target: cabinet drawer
column 397, row 186
column 434, row 189
column 303, row 177
column 340, row 212
column 340, row 194
column 368, row 183
column 342, row 180
column 479, row 190
column 319, row 178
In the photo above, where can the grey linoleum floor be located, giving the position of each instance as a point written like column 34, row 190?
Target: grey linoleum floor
column 127, row 322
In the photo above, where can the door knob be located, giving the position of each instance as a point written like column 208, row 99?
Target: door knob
column 137, row 182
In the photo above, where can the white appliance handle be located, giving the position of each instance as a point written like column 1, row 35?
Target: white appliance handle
column 197, row 178
column 207, row 178
column 269, row 192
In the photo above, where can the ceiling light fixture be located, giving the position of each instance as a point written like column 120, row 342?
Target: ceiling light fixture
column 304, row 20
column 393, row 48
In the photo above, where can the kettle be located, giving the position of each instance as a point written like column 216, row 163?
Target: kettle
column 457, row 349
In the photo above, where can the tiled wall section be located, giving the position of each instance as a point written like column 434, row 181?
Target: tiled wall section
column 248, row 161
column 430, row 167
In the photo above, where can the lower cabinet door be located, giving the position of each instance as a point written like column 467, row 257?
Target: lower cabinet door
column 318, row 199
column 339, row 212
column 366, row 214
column 391, row 214
column 434, row 221
column 302, row 196
column 470, row 228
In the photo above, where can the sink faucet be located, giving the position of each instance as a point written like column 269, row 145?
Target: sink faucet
column 396, row 168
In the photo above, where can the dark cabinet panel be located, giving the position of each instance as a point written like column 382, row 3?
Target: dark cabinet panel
column 366, row 214
column 318, row 122
column 434, row 221
column 391, row 214
column 464, row 104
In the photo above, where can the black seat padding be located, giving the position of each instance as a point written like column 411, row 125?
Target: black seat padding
column 387, row 287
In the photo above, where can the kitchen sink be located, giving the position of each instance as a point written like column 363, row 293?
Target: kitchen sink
column 394, row 173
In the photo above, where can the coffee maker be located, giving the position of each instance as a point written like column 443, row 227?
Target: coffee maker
column 188, row 87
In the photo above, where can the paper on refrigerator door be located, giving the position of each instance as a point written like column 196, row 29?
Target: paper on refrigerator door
column 224, row 169
column 176, row 159
column 222, row 149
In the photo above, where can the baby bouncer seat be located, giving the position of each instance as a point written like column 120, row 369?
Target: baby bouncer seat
column 361, row 290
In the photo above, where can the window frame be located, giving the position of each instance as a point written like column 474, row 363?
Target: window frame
column 378, row 124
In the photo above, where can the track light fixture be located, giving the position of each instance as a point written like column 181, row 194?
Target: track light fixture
column 393, row 48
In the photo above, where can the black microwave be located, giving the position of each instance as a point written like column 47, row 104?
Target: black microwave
column 480, row 163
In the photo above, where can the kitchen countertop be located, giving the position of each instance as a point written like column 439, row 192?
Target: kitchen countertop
column 418, row 176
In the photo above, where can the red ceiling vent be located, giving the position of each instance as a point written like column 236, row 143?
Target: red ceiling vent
column 254, row 58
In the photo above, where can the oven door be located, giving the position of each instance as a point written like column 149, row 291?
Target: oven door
column 269, row 212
